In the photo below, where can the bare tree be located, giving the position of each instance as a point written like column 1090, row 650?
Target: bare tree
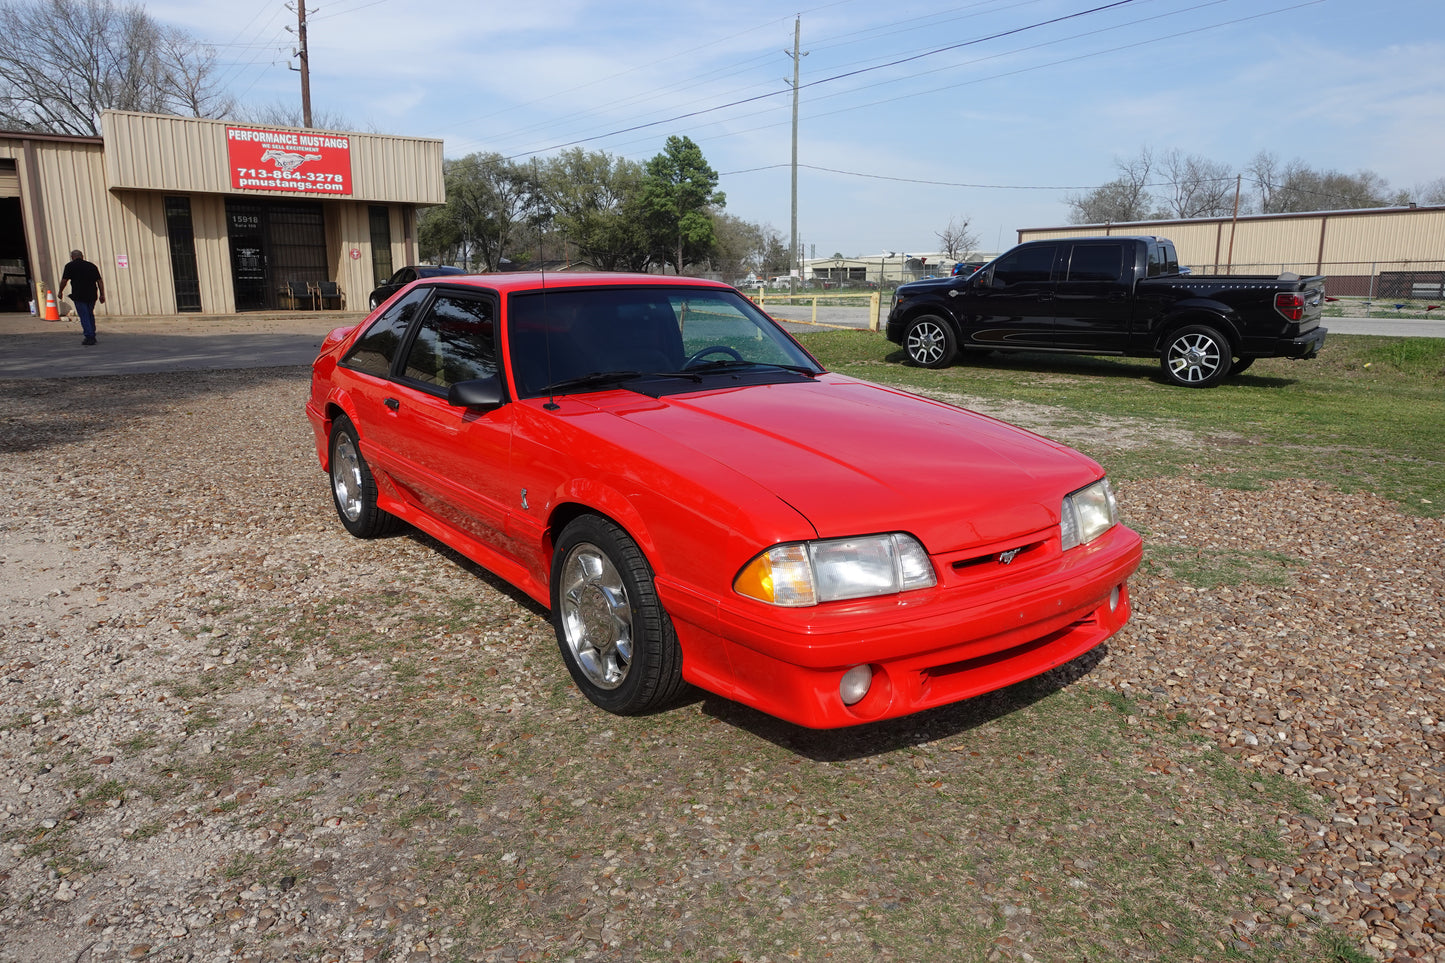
column 1126, row 198
column 1431, row 193
column 958, row 243
column 65, row 61
column 188, row 77
column 1197, row 186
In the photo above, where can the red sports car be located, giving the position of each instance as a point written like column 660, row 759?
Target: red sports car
column 698, row 501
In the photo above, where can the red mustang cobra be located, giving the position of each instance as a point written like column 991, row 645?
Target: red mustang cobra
column 698, row 501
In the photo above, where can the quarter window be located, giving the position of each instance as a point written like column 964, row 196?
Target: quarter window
column 375, row 350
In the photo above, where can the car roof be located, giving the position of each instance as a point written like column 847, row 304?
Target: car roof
column 537, row 280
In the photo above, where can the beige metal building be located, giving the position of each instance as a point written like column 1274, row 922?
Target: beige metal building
column 1392, row 252
column 187, row 215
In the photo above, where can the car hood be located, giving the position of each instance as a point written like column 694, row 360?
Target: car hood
column 855, row 458
column 912, row 289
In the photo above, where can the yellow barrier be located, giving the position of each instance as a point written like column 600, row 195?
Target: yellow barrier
column 875, row 303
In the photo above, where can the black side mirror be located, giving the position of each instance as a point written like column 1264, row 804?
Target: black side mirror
column 483, row 393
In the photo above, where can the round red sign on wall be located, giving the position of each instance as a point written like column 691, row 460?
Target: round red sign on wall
column 355, row 254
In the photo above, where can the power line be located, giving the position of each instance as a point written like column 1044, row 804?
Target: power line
column 826, row 80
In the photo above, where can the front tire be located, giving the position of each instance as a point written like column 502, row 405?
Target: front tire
column 616, row 640
column 1196, row 356
column 353, row 489
column 930, row 342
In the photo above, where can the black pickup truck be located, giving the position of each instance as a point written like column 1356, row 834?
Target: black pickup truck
column 1111, row 295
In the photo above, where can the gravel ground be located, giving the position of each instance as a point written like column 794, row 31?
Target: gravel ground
column 167, row 545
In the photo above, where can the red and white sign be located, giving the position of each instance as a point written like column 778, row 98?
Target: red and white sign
column 292, row 161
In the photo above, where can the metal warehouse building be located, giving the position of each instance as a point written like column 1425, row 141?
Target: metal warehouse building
column 1391, row 252
column 186, row 215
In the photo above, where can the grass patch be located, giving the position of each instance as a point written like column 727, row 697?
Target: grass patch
column 1367, row 415
column 1211, row 568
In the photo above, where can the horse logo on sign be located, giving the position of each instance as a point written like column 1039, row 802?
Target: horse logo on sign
column 287, row 160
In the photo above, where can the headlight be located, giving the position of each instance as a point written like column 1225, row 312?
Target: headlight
column 1087, row 514
column 807, row 573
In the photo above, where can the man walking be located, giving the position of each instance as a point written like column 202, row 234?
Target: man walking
column 86, row 288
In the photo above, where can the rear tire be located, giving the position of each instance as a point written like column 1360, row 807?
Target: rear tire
column 1196, row 356
column 1239, row 365
column 353, row 489
column 930, row 342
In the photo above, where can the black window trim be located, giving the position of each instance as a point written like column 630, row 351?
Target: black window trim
column 435, row 290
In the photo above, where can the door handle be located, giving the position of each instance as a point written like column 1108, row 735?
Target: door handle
column 392, row 403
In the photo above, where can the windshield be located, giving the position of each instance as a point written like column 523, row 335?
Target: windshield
column 580, row 339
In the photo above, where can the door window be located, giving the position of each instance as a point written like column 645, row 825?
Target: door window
column 456, row 341
column 1096, row 262
column 1025, row 265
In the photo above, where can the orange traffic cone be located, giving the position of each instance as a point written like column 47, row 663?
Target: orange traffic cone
column 52, row 310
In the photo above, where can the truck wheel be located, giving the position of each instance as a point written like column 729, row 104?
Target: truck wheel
column 930, row 342
column 1196, row 356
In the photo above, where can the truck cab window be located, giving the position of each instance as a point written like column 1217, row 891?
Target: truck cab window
column 1025, row 265
column 1098, row 262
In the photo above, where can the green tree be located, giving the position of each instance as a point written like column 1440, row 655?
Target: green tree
column 490, row 201
column 592, row 197
column 678, row 195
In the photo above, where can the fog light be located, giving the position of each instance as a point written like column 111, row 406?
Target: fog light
column 855, row 684
column 1114, row 599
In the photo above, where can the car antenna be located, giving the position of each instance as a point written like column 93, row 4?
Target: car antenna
column 551, row 404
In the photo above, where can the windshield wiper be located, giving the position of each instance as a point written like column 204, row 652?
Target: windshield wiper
column 608, row 379
column 595, row 379
column 725, row 364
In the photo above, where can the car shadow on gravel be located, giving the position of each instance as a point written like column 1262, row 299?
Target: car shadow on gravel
column 881, row 738
column 492, row 581
column 1137, row 369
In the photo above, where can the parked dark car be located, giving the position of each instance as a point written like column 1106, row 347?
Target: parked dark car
column 1111, row 295
column 405, row 276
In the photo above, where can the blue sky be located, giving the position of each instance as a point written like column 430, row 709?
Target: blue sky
column 910, row 113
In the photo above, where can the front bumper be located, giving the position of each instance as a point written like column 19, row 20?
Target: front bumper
column 926, row 649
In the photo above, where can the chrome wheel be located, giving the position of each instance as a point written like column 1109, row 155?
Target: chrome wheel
column 1196, row 357
column 346, row 480
column 353, row 489
column 930, row 342
column 926, row 342
column 596, row 616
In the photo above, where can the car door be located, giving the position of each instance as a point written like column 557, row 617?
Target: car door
column 450, row 461
column 1010, row 305
column 1091, row 297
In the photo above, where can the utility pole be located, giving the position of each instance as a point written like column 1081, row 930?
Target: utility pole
column 303, row 55
column 797, row 56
